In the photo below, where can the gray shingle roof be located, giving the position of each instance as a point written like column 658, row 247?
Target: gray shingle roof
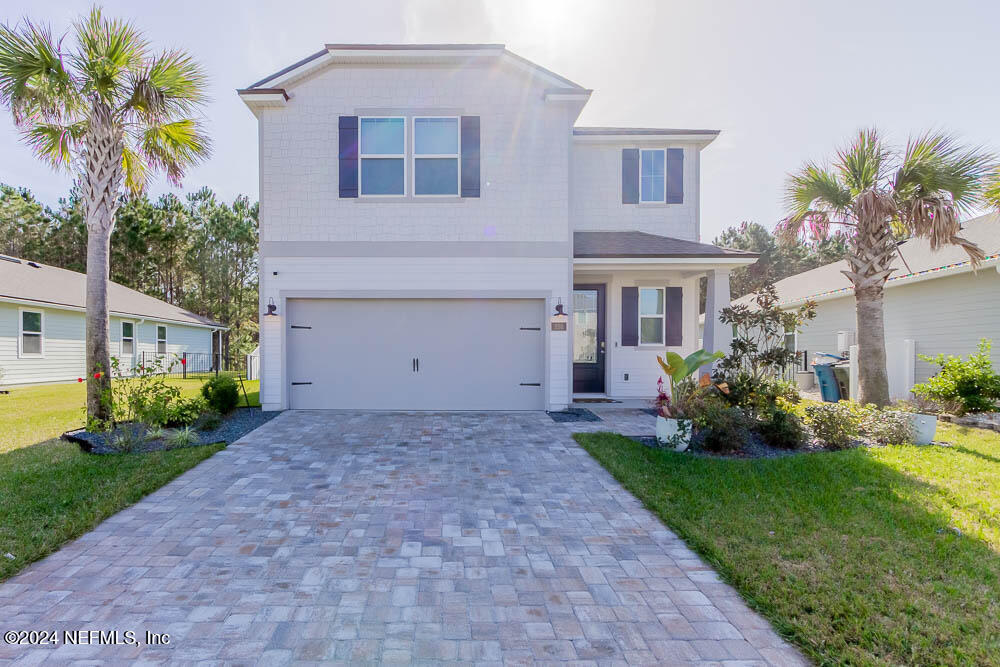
column 61, row 287
column 641, row 244
column 637, row 131
column 828, row 280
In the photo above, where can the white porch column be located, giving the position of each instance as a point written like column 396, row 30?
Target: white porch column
column 718, row 336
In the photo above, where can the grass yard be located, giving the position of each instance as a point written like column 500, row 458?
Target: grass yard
column 889, row 555
column 51, row 491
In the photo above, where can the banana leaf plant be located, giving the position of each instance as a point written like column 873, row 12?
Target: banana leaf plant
column 679, row 369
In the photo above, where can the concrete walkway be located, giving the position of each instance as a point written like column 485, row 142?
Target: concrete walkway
column 398, row 538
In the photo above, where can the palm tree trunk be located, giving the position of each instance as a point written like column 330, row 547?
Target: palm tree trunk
column 873, row 381
column 102, row 181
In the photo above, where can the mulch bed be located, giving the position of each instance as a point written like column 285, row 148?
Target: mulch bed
column 234, row 426
column 574, row 415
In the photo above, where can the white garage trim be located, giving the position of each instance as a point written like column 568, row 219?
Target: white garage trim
column 285, row 295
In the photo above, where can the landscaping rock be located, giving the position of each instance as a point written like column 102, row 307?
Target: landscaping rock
column 234, row 426
column 987, row 420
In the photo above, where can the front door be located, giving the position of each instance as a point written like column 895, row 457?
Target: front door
column 588, row 339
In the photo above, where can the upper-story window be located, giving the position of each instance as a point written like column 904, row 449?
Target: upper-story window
column 383, row 156
column 435, row 156
column 652, row 176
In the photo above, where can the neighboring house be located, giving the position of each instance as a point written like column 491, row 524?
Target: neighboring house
column 934, row 304
column 426, row 209
column 42, row 325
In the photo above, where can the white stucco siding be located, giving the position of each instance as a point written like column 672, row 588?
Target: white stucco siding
column 64, row 334
column 947, row 315
column 401, row 277
column 524, row 148
column 596, row 194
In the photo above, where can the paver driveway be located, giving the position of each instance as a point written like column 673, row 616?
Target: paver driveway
column 395, row 538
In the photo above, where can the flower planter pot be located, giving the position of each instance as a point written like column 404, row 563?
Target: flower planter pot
column 673, row 433
column 924, row 427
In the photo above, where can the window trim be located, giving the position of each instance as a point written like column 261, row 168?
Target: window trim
column 653, row 201
column 382, row 156
column 662, row 316
column 457, row 157
column 21, row 354
column 122, row 338
column 166, row 349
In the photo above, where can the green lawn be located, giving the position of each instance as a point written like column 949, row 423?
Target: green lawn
column 880, row 556
column 50, row 491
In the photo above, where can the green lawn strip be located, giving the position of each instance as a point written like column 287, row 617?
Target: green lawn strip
column 851, row 555
column 53, row 492
column 29, row 415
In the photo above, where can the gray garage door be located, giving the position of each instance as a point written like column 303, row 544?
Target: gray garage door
column 415, row 354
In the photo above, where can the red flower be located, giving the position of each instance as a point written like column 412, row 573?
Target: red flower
column 97, row 376
column 183, row 361
column 79, row 379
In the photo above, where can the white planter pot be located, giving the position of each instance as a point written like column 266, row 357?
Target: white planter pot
column 924, row 427
column 673, row 433
column 805, row 380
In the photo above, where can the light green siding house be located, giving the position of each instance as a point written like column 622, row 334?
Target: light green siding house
column 42, row 325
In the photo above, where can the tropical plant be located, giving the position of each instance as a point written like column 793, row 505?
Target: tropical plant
column 970, row 384
column 112, row 111
column 874, row 192
column 683, row 389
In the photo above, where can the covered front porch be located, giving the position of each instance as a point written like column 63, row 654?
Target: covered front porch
column 637, row 296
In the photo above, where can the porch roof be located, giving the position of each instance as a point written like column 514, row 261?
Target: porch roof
column 593, row 245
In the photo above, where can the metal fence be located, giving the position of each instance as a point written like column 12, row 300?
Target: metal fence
column 191, row 364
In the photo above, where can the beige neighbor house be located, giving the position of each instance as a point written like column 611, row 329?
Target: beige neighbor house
column 935, row 303
column 425, row 209
column 43, row 328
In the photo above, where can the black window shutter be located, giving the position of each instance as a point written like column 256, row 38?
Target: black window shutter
column 348, row 131
column 675, row 316
column 470, row 156
column 630, row 175
column 675, row 175
column 630, row 316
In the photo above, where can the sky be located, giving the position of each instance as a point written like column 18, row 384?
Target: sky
column 785, row 81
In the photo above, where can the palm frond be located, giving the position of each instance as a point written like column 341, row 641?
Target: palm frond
column 815, row 188
column 109, row 51
column 174, row 147
column 53, row 143
column 134, row 168
column 862, row 163
column 34, row 82
column 171, row 83
column 991, row 194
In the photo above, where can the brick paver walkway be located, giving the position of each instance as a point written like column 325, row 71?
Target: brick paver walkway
column 396, row 538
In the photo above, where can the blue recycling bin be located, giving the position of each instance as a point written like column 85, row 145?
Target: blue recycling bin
column 828, row 388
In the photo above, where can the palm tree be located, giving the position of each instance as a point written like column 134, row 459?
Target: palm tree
column 871, row 189
column 113, row 112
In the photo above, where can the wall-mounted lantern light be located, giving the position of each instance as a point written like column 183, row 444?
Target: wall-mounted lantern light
column 559, row 319
column 272, row 310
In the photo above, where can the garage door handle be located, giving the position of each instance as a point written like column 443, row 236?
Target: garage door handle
column 418, row 364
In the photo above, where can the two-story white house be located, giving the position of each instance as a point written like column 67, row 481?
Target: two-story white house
column 427, row 211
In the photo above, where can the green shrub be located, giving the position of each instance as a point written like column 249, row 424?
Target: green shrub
column 835, row 424
column 209, row 421
column 886, row 427
column 221, row 393
column 185, row 411
column 970, row 383
column 757, row 396
column 182, row 437
column 782, row 429
column 141, row 393
column 720, row 427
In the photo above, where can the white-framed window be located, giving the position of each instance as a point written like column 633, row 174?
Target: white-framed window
column 31, row 333
column 651, row 315
column 653, row 175
column 382, row 152
column 161, row 339
column 436, row 151
column 127, row 345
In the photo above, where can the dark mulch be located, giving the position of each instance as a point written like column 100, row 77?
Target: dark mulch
column 233, row 427
column 753, row 448
column 595, row 400
column 574, row 415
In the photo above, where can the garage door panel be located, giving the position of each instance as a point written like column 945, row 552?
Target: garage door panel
column 483, row 354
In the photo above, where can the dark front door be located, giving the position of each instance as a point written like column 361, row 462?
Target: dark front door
column 588, row 339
